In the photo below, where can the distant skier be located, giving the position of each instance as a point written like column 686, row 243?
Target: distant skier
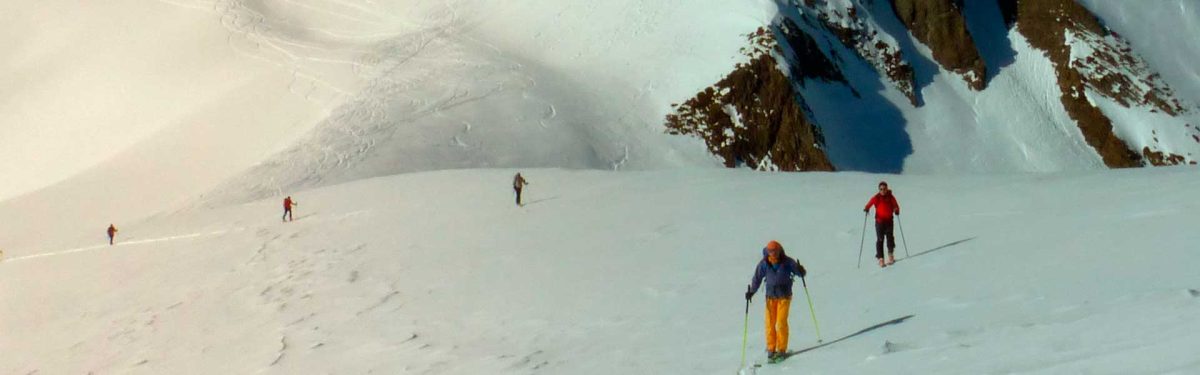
column 112, row 233
column 885, row 208
column 519, row 183
column 287, row 208
column 777, row 269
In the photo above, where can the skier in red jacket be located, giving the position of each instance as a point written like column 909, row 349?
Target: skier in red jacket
column 287, row 208
column 885, row 208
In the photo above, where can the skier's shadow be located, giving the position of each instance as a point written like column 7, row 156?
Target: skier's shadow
column 936, row 248
column 538, row 201
column 864, row 330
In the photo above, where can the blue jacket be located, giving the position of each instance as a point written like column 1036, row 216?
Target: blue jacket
column 778, row 276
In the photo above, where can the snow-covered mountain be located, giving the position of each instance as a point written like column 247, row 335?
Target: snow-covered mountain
column 954, row 86
column 397, row 126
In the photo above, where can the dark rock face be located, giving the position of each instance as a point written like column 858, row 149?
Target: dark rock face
column 941, row 26
column 853, row 32
column 1045, row 23
column 807, row 61
column 1103, row 63
column 758, row 116
column 754, row 117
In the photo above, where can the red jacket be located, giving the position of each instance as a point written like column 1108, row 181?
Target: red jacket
column 885, row 207
column 287, row 203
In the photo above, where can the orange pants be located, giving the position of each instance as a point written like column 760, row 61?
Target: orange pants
column 777, row 324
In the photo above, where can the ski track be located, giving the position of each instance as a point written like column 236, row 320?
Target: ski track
column 121, row 244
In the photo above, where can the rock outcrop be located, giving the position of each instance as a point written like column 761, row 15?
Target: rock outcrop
column 754, row 117
column 881, row 50
column 941, row 26
column 1089, row 57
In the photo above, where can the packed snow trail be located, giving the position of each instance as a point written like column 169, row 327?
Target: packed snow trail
column 118, row 244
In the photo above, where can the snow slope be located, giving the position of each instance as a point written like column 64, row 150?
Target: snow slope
column 115, row 85
column 187, row 130
column 634, row 272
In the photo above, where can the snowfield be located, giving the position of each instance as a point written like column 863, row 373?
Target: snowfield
column 397, row 127
column 632, row 272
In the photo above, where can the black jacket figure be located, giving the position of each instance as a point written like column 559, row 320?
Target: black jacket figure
column 519, row 183
column 112, row 232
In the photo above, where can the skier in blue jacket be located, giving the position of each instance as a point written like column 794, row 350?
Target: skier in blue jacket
column 777, row 270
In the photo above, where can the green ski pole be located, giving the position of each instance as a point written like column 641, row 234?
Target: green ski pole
column 861, row 239
column 810, row 310
column 745, row 331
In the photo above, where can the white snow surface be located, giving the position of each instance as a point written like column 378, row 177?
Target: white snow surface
column 397, row 126
column 633, row 272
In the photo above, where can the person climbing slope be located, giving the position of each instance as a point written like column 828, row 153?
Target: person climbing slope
column 886, row 208
column 112, row 233
column 774, row 273
column 287, row 208
column 518, row 184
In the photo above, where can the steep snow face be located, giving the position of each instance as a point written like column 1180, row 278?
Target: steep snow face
column 1161, row 32
column 330, row 91
column 1018, row 125
column 1151, row 31
column 575, row 84
column 83, row 83
column 624, row 273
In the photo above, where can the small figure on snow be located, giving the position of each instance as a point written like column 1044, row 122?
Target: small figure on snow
column 774, row 272
column 287, row 208
column 885, row 208
column 112, row 233
column 519, row 183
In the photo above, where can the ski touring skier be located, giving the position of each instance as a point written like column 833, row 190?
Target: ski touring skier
column 886, row 208
column 518, row 184
column 112, row 233
column 287, row 208
column 774, row 273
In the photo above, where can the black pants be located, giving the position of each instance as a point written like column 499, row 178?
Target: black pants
column 518, row 190
column 287, row 214
column 883, row 230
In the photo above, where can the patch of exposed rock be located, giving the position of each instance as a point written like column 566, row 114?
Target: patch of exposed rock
column 843, row 20
column 1090, row 58
column 941, row 26
column 1045, row 23
column 753, row 116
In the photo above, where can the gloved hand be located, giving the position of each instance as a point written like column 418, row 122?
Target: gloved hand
column 802, row 270
column 866, row 210
column 748, row 295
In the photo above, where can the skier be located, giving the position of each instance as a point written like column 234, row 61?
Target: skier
column 112, row 232
column 885, row 207
column 777, row 269
column 287, row 208
column 519, row 183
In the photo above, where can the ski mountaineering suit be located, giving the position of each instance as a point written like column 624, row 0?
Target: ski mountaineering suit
column 885, row 208
column 776, row 280
column 287, row 209
column 519, row 183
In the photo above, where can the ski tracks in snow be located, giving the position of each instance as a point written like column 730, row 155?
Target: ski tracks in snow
column 124, row 244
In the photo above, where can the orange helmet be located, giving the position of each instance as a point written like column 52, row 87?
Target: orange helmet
column 774, row 246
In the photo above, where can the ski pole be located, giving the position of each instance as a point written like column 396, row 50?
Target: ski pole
column 745, row 331
column 861, row 239
column 901, row 225
column 811, row 310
